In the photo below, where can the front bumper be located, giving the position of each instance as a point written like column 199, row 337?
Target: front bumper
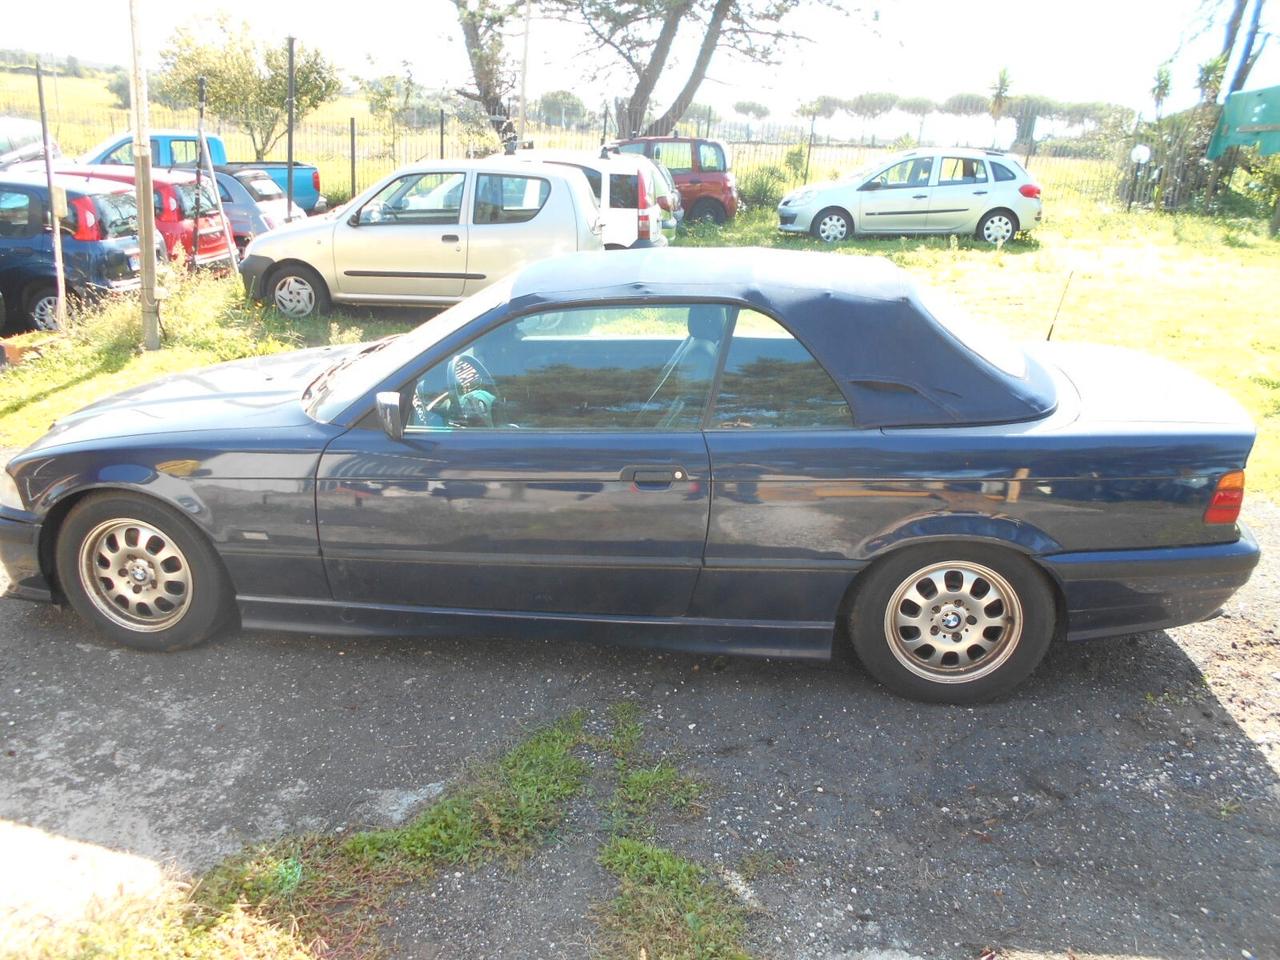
column 1112, row 592
column 252, row 270
column 20, row 574
column 794, row 219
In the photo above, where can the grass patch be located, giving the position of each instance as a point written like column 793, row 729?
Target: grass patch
column 667, row 907
column 641, row 791
column 1197, row 290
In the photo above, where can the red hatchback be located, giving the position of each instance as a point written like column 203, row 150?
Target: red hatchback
column 701, row 170
column 175, row 204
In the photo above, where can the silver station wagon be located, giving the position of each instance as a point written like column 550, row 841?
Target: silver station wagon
column 432, row 233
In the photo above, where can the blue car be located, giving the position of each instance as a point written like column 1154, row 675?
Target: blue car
column 750, row 452
column 99, row 245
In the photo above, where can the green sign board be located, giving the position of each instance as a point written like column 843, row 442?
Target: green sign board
column 1249, row 118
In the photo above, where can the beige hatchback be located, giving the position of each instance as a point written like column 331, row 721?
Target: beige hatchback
column 433, row 234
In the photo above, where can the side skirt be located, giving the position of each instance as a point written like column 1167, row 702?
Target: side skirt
column 805, row 640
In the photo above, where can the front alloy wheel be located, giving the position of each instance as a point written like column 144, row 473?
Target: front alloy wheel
column 136, row 576
column 952, row 623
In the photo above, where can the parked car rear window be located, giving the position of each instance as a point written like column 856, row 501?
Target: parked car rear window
column 1002, row 172
column 186, row 194
column 117, row 213
column 262, row 188
column 675, row 155
column 711, row 158
column 503, row 198
column 624, row 191
column 771, row 380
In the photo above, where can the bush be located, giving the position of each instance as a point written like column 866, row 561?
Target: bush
column 795, row 161
column 763, row 186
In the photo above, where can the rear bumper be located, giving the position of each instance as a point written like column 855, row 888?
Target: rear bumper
column 20, row 574
column 252, row 270
column 1112, row 592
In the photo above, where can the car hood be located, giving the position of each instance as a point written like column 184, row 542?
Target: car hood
column 257, row 394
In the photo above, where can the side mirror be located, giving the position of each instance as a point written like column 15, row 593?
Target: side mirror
column 391, row 413
column 354, row 219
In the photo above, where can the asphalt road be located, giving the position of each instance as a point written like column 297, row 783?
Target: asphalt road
column 1125, row 801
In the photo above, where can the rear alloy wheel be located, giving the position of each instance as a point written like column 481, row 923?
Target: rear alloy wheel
column 832, row 226
column 953, row 624
column 42, row 309
column 140, row 574
column 298, row 292
column 998, row 226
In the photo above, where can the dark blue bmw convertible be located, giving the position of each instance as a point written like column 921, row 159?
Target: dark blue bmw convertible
column 740, row 451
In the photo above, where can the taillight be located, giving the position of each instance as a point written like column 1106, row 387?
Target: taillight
column 1228, row 496
column 1030, row 190
column 315, row 180
column 88, row 226
column 643, row 228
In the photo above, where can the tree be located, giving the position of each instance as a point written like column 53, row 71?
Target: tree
column 1026, row 111
column 999, row 99
column 118, row 85
column 869, row 106
column 749, row 108
column 823, row 106
column 1250, row 51
column 917, row 107
column 72, row 67
column 561, row 107
column 640, row 35
column 1209, row 78
column 965, row 105
column 248, row 85
column 1161, row 87
column 492, row 76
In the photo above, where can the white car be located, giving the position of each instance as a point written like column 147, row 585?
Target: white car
column 627, row 188
column 937, row 190
column 432, row 234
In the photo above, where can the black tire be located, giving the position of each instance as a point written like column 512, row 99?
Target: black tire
column 38, row 307
column 1017, row 647
column 999, row 216
column 832, row 225
column 706, row 209
column 165, row 546
column 294, row 279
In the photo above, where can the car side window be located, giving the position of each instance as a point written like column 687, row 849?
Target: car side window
column 1001, row 172
column 434, row 198
column 959, row 170
column 502, row 198
column 17, row 213
column 184, row 151
column 710, row 158
column 771, row 380
column 909, row 173
column 122, row 153
column 675, row 155
column 599, row 368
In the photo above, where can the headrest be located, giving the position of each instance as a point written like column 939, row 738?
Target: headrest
column 706, row 321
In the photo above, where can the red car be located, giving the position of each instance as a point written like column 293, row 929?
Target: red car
column 701, row 170
column 175, row 204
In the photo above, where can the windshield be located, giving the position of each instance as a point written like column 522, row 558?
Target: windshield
column 186, row 194
column 352, row 376
column 989, row 344
column 262, row 188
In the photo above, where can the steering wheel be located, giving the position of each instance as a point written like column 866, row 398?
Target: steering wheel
column 472, row 387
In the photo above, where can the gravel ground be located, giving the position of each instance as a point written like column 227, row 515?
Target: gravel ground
column 1124, row 803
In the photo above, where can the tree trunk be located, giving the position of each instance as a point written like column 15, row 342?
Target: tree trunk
column 1248, row 56
column 1233, row 26
column 665, row 123
column 485, row 67
column 631, row 114
column 1275, row 219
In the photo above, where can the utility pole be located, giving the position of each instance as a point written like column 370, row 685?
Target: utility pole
column 143, row 189
column 524, row 67
column 57, row 210
column 289, row 160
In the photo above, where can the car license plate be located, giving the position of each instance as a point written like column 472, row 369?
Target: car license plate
column 135, row 261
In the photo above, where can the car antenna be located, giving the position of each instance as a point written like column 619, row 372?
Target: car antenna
column 1061, row 299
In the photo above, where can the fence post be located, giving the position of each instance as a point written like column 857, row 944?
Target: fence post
column 813, row 122
column 604, row 123
column 353, row 156
column 442, row 133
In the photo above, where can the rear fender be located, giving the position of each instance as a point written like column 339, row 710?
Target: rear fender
column 1019, row 536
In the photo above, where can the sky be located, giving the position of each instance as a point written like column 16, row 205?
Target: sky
column 1081, row 50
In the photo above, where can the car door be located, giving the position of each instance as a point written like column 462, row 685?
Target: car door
column 516, row 219
column 783, row 512
column 554, row 465
column 896, row 200
column 962, row 188
column 677, row 156
column 408, row 241
column 25, row 246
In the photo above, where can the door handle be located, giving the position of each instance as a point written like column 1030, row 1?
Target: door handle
column 979, row 193
column 450, row 238
column 654, row 477
column 693, row 182
column 918, row 196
